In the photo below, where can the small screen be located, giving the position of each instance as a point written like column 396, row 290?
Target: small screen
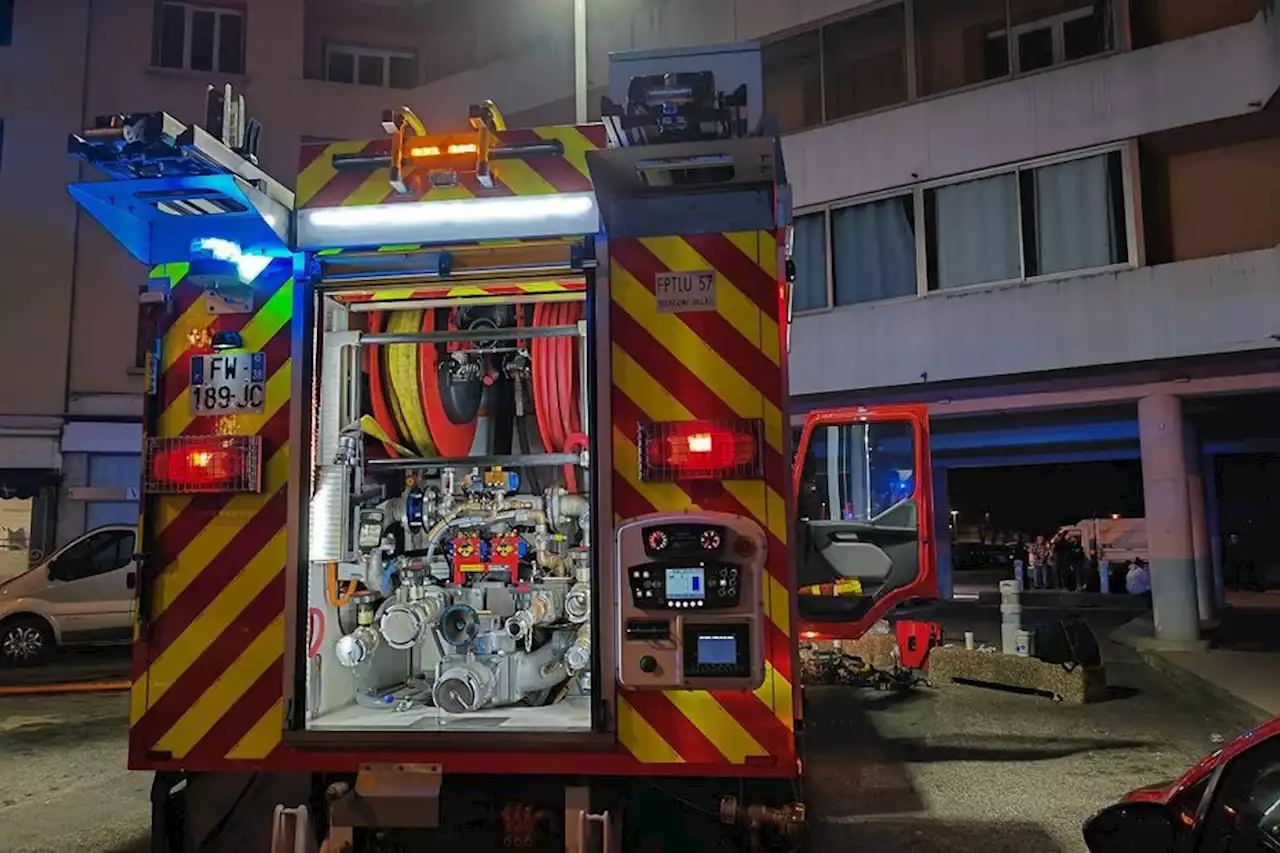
column 717, row 648
column 686, row 583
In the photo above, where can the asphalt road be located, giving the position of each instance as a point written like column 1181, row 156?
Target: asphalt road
column 966, row 769
column 63, row 783
column 72, row 666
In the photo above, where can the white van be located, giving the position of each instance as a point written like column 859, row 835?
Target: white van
column 82, row 595
column 1118, row 540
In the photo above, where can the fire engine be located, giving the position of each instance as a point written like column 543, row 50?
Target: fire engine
column 467, row 506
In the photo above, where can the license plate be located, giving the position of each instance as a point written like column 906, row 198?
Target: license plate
column 226, row 384
column 678, row 292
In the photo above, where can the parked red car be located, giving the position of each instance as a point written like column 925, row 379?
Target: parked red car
column 1227, row 803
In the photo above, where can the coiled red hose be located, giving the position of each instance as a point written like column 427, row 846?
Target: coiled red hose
column 556, row 384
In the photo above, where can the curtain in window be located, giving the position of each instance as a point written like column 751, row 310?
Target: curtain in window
column 874, row 251
column 1075, row 220
column 809, row 251
column 977, row 232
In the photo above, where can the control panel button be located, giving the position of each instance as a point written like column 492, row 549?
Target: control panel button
column 648, row 664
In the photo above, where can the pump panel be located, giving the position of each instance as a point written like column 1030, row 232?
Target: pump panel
column 693, row 615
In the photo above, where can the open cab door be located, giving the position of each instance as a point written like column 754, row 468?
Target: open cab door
column 864, row 534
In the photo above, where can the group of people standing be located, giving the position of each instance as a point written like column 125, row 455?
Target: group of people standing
column 1057, row 563
column 1063, row 563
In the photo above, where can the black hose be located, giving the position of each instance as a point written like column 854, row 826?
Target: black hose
column 529, row 474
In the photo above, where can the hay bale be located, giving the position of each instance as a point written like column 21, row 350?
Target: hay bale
column 958, row 665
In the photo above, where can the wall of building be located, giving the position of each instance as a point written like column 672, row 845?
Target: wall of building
column 39, row 103
column 1156, row 21
column 447, row 38
column 1195, row 308
column 1225, row 200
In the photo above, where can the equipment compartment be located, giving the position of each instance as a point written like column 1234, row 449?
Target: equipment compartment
column 450, row 564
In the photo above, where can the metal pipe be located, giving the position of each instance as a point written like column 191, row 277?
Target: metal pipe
column 360, row 162
column 445, row 301
column 502, row 334
column 455, row 277
column 580, row 61
column 550, row 148
column 509, row 460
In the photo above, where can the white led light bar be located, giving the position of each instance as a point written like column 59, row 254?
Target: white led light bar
column 448, row 221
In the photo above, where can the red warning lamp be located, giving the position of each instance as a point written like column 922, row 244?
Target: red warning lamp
column 701, row 450
column 202, row 464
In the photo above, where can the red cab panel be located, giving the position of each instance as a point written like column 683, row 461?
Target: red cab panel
column 864, row 530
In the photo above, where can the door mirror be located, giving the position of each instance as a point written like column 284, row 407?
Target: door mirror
column 1131, row 828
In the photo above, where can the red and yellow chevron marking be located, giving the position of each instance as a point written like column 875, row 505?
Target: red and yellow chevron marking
column 321, row 185
column 714, row 365
column 547, row 289
column 209, row 668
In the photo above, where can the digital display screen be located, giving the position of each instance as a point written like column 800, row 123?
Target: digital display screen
column 686, row 584
column 717, row 649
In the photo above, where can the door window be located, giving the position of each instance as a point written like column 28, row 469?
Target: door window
column 1244, row 816
column 98, row 553
column 858, row 537
column 857, row 471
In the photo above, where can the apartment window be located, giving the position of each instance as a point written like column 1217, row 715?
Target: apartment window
column 368, row 66
column 199, row 38
column 1041, row 220
column 792, row 71
column 955, row 45
column 972, row 232
column 1041, row 41
column 864, row 62
column 6, row 22
column 809, row 252
column 962, row 42
column 873, row 250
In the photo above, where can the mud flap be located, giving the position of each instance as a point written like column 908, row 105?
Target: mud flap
column 222, row 812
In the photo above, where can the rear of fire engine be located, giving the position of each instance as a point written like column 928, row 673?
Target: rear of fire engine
column 466, row 508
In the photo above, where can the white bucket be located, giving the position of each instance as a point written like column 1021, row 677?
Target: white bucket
column 1022, row 644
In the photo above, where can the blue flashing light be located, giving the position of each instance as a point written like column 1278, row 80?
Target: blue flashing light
column 248, row 266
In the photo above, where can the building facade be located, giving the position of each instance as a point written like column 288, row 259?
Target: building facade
column 1028, row 213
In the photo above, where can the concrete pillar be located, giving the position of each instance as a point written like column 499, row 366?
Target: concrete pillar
column 1206, row 601
column 1209, row 473
column 942, row 531
column 1168, row 512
